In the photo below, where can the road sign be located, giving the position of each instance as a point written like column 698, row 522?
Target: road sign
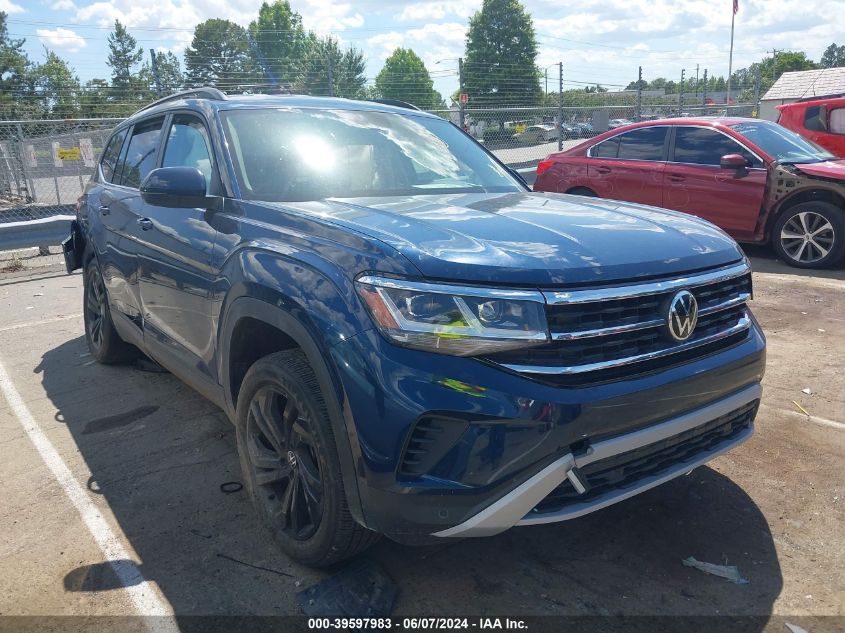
column 464, row 98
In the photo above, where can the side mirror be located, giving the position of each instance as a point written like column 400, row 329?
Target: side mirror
column 177, row 187
column 733, row 161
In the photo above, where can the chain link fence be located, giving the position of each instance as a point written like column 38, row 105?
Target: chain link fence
column 44, row 165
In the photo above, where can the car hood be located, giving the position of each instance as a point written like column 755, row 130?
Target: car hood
column 828, row 169
column 528, row 238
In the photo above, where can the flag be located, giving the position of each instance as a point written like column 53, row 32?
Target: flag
column 736, row 6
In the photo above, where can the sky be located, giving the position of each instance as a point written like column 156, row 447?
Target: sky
column 598, row 41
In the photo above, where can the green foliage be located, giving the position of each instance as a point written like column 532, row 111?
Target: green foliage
column 124, row 56
column 501, row 51
column 346, row 67
column 94, row 101
column 280, row 41
column 55, row 87
column 405, row 77
column 219, row 55
column 13, row 69
column 169, row 74
column 833, row 56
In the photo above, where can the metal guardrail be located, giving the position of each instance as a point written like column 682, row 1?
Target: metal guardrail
column 41, row 232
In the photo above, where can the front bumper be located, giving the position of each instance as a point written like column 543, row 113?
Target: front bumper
column 518, row 507
column 513, row 440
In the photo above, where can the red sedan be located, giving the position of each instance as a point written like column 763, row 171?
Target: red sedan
column 755, row 179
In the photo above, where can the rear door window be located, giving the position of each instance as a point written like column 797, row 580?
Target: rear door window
column 704, row 146
column 812, row 119
column 140, row 157
column 111, row 155
column 643, row 144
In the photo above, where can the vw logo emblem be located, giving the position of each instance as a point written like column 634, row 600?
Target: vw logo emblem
column 292, row 459
column 683, row 315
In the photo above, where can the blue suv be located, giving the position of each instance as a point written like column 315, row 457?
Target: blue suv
column 409, row 341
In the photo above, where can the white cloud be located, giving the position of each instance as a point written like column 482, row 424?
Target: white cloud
column 438, row 10
column 10, row 7
column 327, row 16
column 63, row 5
column 61, row 39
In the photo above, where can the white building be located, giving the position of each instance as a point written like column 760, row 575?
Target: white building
column 799, row 84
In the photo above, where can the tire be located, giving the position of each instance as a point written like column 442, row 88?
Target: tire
column 290, row 464
column 810, row 235
column 583, row 191
column 104, row 342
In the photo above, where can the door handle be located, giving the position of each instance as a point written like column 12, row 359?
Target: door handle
column 105, row 209
column 145, row 223
column 603, row 169
column 676, row 178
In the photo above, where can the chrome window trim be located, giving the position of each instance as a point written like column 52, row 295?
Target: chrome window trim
column 554, row 297
column 449, row 289
column 742, row 325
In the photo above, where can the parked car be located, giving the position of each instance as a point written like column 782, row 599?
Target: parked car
column 537, row 134
column 820, row 119
column 755, row 179
column 407, row 339
column 617, row 123
column 585, row 130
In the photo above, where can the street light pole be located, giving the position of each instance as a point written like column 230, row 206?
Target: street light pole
column 461, row 91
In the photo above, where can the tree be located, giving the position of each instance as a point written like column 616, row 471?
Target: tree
column 124, row 56
column 13, row 69
column 405, row 77
column 325, row 59
column 280, row 42
column 833, row 56
column 55, row 87
column 94, row 100
column 220, row 55
column 170, row 74
column 501, row 51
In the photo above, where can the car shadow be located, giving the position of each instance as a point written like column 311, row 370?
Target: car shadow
column 763, row 260
column 159, row 455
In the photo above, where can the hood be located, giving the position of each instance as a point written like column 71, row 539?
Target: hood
column 834, row 169
column 535, row 239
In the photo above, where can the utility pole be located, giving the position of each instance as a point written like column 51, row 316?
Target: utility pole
column 757, row 80
column 696, row 82
column 681, row 92
column 154, row 66
column 547, row 81
column 560, row 106
column 704, row 94
column 774, row 53
column 331, row 77
column 461, row 110
column 640, row 95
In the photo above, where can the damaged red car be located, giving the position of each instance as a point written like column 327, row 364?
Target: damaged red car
column 759, row 181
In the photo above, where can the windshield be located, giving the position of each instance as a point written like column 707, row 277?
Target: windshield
column 298, row 155
column 785, row 145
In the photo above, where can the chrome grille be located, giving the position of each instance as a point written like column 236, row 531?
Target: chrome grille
column 606, row 333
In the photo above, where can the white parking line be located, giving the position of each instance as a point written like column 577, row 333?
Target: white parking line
column 141, row 593
column 18, row 326
column 812, row 418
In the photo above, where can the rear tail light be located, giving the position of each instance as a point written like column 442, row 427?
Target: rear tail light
column 543, row 165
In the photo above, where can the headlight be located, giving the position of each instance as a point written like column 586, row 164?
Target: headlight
column 456, row 320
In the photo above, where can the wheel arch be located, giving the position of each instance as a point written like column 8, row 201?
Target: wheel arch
column 277, row 329
column 807, row 194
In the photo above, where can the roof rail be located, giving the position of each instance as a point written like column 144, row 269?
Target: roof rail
column 397, row 103
column 814, row 97
column 206, row 92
